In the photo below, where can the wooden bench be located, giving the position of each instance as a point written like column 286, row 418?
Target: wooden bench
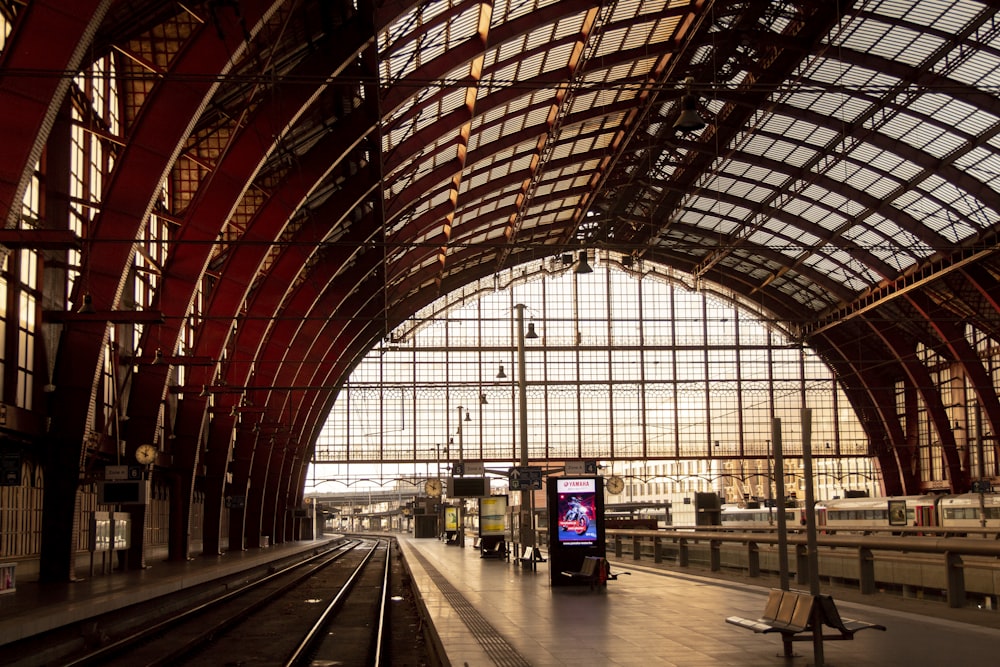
column 796, row 613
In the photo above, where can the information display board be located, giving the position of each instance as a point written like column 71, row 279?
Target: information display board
column 467, row 487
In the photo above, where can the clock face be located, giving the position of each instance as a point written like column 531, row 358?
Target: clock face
column 146, row 454
column 614, row 485
column 433, row 487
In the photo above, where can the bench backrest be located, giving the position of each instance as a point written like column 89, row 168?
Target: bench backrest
column 802, row 615
column 773, row 604
column 590, row 564
column 789, row 607
column 830, row 612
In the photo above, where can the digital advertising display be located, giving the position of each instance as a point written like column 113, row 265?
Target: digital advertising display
column 576, row 512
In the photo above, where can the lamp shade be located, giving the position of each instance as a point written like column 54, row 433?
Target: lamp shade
column 688, row 120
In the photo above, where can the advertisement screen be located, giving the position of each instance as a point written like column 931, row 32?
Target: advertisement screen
column 576, row 512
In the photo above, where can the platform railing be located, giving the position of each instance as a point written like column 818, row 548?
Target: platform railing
column 868, row 551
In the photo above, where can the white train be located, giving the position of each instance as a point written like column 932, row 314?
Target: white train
column 860, row 514
column 742, row 518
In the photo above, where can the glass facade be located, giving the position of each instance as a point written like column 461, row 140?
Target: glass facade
column 629, row 364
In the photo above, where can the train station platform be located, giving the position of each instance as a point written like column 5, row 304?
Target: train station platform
column 34, row 608
column 496, row 612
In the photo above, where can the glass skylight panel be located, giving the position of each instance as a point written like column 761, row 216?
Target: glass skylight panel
column 484, row 136
column 628, row 8
column 942, row 190
column 757, row 144
column 981, row 164
column 944, row 144
column 863, row 237
column 903, row 126
column 829, row 198
column 902, row 44
column 778, row 150
column 892, row 233
column 883, row 187
column 733, row 211
column 978, row 68
column 494, row 115
column 736, row 188
column 604, row 97
column 863, row 36
column 612, row 41
column 503, row 55
column 795, row 206
column 932, row 105
column 618, row 72
column 891, row 163
column 530, row 67
column 824, row 266
column 949, row 16
column 462, row 25
column 819, row 135
column 814, row 215
column 775, row 179
column 476, row 179
column 546, row 188
column 568, row 27
column 508, row 10
column 766, row 239
column 823, row 218
column 900, row 261
column 557, row 56
column 399, row 122
column 539, row 38
column 861, row 178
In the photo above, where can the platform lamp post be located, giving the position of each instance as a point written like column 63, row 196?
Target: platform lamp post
column 527, row 497
column 461, row 468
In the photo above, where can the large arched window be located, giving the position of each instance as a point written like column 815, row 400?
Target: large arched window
column 630, row 363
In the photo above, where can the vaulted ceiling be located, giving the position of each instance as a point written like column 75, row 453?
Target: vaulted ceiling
column 328, row 169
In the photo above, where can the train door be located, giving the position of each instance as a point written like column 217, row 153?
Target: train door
column 924, row 515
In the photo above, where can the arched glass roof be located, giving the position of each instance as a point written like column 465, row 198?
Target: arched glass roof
column 271, row 188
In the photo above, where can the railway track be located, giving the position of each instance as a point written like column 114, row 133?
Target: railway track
column 330, row 609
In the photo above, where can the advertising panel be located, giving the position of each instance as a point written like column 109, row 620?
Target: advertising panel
column 450, row 519
column 492, row 512
column 577, row 512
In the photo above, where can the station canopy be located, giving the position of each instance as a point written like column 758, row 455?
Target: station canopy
column 329, row 168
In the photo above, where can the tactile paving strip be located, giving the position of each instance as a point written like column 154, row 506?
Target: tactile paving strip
column 493, row 643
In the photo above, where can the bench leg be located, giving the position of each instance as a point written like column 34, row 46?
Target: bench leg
column 817, row 621
column 786, row 643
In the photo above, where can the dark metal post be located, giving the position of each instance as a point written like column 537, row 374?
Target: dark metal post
column 779, row 484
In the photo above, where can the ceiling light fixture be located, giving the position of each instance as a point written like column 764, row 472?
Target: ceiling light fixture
column 689, row 120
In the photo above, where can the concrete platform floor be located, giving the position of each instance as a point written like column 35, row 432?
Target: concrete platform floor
column 494, row 612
